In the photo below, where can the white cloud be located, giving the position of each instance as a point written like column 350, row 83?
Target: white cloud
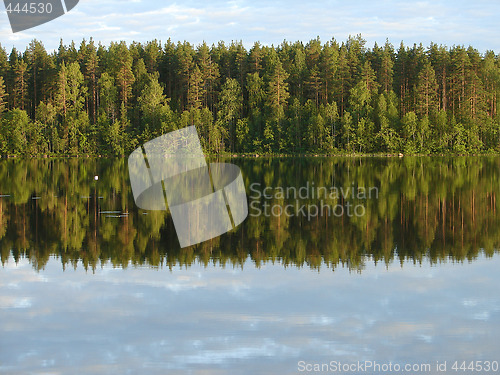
column 444, row 22
column 181, row 319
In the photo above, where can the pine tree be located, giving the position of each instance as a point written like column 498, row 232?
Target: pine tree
column 256, row 96
column 298, row 71
column 123, row 71
column 439, row 57
column 70, row 100
column 314, row 85
column 108, row 95
column 20, row 84
column 426, row 91
column 3, row 97
column 386, row 68
column 184, row 53
column 401, row 79
column 239, row 56
column 278, row 95
column 328, row 66
column 230, row 105
column 62, row 94
column 92, row 77
column 343, row 80
column 4, row 62
column 196, row 91
column 313, row 51
column 460, row 66
column 39, row 70
column 152, row 54
column 255, row 58
column 209, row 73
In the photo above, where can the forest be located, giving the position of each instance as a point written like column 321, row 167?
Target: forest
column 295, row 98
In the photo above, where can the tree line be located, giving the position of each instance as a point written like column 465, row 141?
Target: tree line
column 293, row 98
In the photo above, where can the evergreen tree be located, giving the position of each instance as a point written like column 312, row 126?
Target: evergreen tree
column 278, row 95
column 156, row 115
column 426, row 91
column 196, row 91
column 122, row 63
column 91, row 78
column 230, row 105
column 20, row 84
column 3, row 97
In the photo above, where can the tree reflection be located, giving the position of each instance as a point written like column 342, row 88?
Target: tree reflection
column 428, row 209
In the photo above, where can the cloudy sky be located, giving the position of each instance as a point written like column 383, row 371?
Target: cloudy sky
column 448, row 22
column 229, row 321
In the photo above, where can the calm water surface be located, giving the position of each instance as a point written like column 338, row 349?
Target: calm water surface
column 92, row 285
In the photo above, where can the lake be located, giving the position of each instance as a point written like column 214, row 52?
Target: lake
column 343, row 265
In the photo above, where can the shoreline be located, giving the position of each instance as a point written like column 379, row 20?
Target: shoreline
column 255, row 156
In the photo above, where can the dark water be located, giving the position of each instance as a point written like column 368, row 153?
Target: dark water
column 389, row 261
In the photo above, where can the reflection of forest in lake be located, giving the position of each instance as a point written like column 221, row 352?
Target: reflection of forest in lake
column 430, row 209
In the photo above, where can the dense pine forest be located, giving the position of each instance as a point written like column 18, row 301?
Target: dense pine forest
column 294, row 98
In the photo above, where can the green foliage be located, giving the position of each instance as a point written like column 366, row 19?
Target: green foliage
column 410, row 129
column 16, row 127
column 3, row 96
column 156, row 114
column 242, row 131
column 293, row 98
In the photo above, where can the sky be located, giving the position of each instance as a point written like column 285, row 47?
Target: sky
column 447, row 22
column 227, row 321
